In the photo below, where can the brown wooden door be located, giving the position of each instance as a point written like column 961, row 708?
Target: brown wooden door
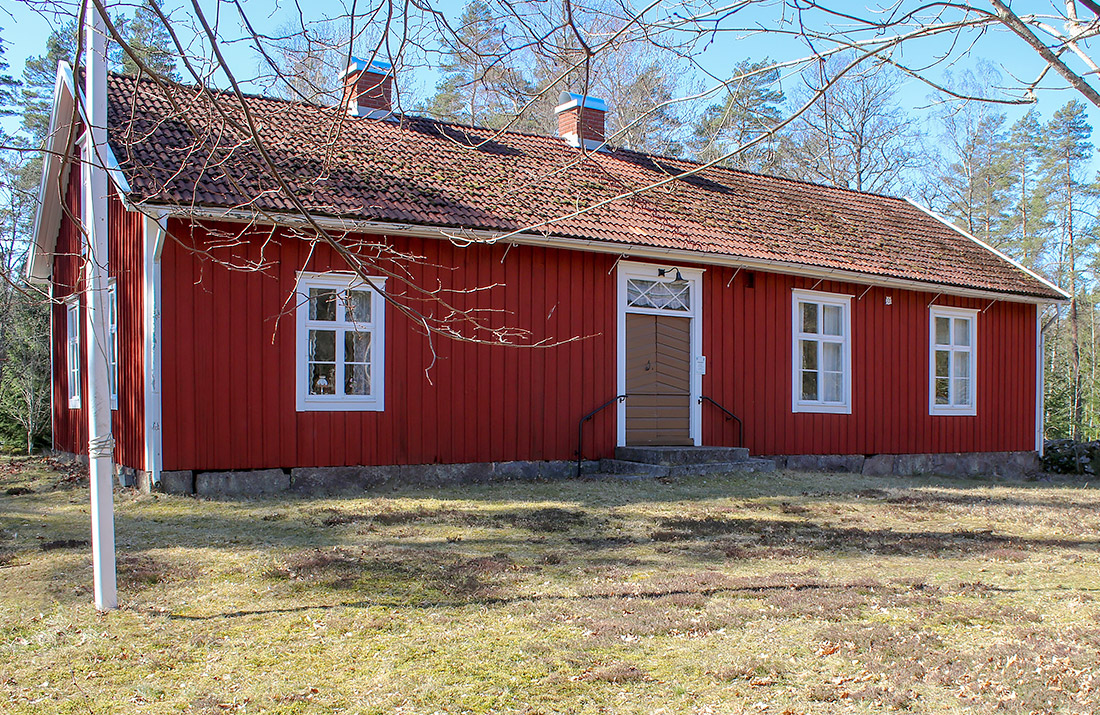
column 658, row 380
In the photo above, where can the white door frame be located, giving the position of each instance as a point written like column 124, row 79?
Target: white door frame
column 649, row 271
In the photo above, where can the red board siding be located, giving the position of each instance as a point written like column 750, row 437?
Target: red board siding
column 747, row 338
column 229, row 361
column 70, row 427
column 229, row 364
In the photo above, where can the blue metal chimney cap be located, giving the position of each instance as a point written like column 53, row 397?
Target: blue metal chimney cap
column 358, row 64
column 569, row 100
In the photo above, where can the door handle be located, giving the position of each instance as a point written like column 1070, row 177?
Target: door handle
column 648, row 365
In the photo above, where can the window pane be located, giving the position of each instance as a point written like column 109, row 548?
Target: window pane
column 943, row 331
column 809, row 386
column 962, row 392
column 322, row 346
column 663, row 295
column 358, row 306
column 322, row 379
column 943, row 363
column 962, row 331
column 356, row 347
column 809, row 354
column 831, row 317
column 962, row 364
column 357, row 380
column 832, row 354
column 942, row 391
column 834, row 381
column 809, row 317
column 322, row 304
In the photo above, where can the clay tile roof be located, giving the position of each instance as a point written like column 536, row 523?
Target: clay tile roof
column 182, row 150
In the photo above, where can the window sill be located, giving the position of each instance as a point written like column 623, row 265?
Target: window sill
column 339, row 405
column 821, row 408
column 953, row 412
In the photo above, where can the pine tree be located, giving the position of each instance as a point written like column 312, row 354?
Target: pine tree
column 1064, row 158
column 479, row 85
column 8, row 85
column 1028, row 223
column 25, row 386
column 150, row 40
column 751, row 107
column 39, row 75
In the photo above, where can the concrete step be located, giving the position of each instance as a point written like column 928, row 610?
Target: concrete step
column 741, row 466
column 674, row 456
column 622, row 468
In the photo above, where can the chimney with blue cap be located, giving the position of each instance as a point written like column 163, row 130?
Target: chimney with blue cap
column 581, row 120
column 368, row 88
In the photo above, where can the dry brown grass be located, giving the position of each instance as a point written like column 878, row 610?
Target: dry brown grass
column 776, row 594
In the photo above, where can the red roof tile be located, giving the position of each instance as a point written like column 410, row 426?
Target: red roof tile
column 421, row 171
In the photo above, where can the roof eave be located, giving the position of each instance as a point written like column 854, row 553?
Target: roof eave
column 593, row 245
column 48, row 213
column 47, row 216
column 1065, row 297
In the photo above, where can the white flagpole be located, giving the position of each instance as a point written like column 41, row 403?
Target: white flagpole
column 100, row 441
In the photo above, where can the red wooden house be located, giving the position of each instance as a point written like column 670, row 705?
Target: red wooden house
column 829, row 322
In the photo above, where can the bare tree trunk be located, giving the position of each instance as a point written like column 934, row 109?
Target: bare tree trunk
column 1078, row 416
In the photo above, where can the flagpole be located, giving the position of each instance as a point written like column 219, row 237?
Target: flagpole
column 100, row 441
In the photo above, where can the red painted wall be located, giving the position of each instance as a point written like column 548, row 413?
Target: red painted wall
column 229, row 390
column 229, row 364
column 70, row 426
column 747, row 337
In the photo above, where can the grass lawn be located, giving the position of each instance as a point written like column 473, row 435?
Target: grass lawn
column 784, row 593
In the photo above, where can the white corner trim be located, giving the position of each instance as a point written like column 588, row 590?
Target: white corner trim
column 153, row 238
column 48, row 211
column 970, row 314
column 346, row 280
column 1040, row 380
column 798, row 405
column 991, row 249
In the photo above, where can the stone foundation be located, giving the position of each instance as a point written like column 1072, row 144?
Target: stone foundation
column 308, row 481
column 998, row 465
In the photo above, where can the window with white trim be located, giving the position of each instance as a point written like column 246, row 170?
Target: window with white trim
column 112, row 344
column 72, row 349
column 952, row 350
column 821, row 352
column 341, row 329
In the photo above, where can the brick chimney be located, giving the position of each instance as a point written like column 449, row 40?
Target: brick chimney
column 368, row 87
column 580, row 120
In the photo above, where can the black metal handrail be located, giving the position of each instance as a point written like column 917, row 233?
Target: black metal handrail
column 729, row 416
column 620, row 398
column 580, row 428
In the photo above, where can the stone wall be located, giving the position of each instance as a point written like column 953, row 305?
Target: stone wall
column 1002, row 465
column 350, row 480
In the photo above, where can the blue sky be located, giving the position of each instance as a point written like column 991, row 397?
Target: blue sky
column 23, row 31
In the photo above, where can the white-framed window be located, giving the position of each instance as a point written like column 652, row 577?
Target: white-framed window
column 72, row 349
column 341, row 348
column 952, row 351
column 112, row 344
column 821, row 330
